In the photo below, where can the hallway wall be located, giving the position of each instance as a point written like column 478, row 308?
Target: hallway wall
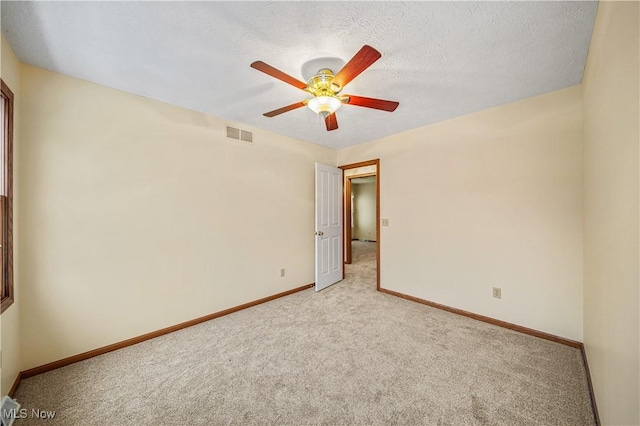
column 364, row 216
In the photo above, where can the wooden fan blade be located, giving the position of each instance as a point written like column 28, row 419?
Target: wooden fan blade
column 331, row 121
column 360, row 62
column 284, row 109
column 372, row 103
column 273, row 72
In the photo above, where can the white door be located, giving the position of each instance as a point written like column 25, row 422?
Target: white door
column 328, row 226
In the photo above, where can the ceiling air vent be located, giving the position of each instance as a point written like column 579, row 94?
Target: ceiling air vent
column 239, row 134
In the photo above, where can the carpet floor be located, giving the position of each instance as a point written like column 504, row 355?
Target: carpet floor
column 347, row 355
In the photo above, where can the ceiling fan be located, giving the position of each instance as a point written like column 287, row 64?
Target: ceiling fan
column 326, row 88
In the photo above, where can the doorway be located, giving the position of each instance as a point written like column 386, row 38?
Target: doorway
column 364, row 173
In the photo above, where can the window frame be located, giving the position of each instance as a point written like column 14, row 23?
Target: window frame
column 6, row 203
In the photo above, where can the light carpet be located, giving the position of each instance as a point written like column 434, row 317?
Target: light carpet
column 347, row 355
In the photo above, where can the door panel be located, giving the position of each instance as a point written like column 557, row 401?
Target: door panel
column 328, row 226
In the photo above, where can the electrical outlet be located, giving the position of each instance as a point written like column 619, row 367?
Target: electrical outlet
column 385, row 222
column 282, row 272
column 497, row 292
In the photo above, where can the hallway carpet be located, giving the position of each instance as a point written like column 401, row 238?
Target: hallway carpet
column 347, row 355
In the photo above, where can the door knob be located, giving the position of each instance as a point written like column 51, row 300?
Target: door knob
column 320, row 233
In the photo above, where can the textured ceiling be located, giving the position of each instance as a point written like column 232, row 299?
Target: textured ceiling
column 439, row 59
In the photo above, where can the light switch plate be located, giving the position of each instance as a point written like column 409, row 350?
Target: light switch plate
column 385, row 222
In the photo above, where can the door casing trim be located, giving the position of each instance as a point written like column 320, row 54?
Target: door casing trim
column 347, row 202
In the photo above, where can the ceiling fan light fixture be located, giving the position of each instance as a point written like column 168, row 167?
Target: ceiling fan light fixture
column 325, row 86
column 324, row 105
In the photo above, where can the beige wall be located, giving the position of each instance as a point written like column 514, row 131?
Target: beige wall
column 10, row 319
column 142, row 215
column 611, row 158
column 489, row 199
column 364, row 216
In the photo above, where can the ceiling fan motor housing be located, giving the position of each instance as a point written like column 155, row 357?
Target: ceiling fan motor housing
column 324, row 100
column 321, row 83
